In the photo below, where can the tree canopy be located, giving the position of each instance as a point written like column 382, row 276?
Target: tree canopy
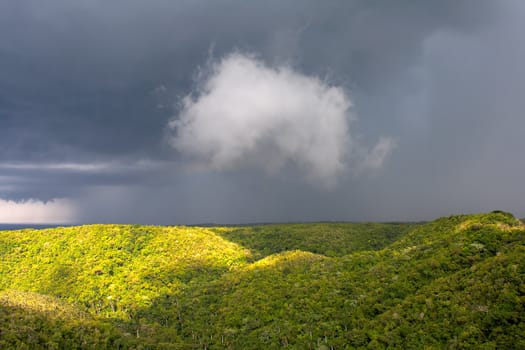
column 456, row 282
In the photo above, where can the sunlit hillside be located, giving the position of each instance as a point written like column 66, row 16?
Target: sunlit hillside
column 456, row 282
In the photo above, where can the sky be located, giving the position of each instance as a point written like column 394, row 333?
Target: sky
column 230, row 111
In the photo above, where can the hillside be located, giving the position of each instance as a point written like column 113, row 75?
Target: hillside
column 456, row 282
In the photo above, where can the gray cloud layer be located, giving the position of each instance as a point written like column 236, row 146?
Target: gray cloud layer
column 96, row 82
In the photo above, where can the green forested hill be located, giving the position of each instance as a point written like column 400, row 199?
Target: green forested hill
column 456, row 282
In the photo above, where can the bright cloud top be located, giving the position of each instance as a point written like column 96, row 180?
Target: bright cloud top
column 246, row 113
column 31, row 211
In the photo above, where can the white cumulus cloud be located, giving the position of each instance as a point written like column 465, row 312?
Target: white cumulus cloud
column 246, row 113
column 32, row 211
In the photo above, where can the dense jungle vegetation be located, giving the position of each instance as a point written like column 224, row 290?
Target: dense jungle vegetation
column 456, row 283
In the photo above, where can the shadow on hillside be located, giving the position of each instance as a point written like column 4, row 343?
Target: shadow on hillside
column 329, row 239
column 223, row 312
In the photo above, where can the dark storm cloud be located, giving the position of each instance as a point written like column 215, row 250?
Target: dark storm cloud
column 96, row 82
column 84, row 74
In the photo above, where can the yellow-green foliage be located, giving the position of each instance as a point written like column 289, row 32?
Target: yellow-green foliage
column 457, row 282
column 34, row 321
column 113, row 269
column 52, row 307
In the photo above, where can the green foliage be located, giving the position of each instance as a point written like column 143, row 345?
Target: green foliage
column 330, row 239
column 35, row 321
column 457, row 282
column 113, row 270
